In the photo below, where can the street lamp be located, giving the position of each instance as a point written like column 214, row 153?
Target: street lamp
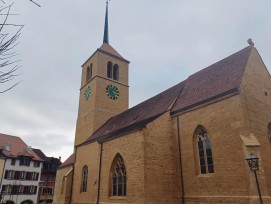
column 253, row 163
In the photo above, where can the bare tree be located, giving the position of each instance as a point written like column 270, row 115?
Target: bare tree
column 9, row 35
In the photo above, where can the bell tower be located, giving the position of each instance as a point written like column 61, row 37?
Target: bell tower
column 104, row 88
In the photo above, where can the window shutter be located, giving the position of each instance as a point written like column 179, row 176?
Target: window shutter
column 6, row 174
column 16, row 177
column 3, row 188
column 35, row 191
column 28, row 175
column 37, row 176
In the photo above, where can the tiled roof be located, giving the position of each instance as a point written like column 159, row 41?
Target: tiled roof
column 108, row 49
column 218, row 80
column 40, row 154
column 68, row 162
column 138, row 116
column 212, row 83
column 16, row 147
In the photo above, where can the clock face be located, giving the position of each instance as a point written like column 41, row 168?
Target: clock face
column 87, row 93
column 112, row 92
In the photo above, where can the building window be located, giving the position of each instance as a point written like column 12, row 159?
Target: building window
column 22, row 175
column 34, row 176
column 47, row 191
column 20, row 189
column 36, row 164
column 116, row 72
column 84, row 179
column 204, row 151
column 89, row 73
column 6, row 189
column 13, row 162
column 25, row 161
column 118, row 177
column 109, row 69
column 269, row 132
column 32, row 190
column 9, row 174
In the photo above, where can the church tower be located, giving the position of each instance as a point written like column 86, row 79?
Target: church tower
column 104, row 88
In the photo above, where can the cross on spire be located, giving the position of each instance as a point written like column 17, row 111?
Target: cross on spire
column 106, row 32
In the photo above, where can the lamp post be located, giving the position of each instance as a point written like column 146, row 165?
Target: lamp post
column 253, row 163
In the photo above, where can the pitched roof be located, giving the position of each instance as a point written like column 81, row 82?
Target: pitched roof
column 108, row 49
column 138, row 116
column 212, row 83
column 40, row 154
column 216, row 81
column 13, row 146
column 68, row 161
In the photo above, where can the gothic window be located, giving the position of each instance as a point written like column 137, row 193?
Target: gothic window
column 84, row 179
column 269, row 132
column 116, row 72
column 118, row 177
column 109, row 69
column 204, row 151
column 89, row 73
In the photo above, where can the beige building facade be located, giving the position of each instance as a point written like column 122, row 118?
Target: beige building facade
column 187, row 144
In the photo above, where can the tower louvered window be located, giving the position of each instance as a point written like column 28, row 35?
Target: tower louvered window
column 118, row 177
column 116, row 72
column 109, row 69
column 89, row 73
column 204, row 151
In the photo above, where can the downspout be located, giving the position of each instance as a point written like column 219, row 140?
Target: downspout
column 99, row 176
column 180, row 160
column 73, row 167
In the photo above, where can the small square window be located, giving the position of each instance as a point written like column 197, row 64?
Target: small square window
column 13, row 162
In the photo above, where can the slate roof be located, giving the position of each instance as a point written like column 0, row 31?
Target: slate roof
column 68, row 162
column 218, row 80
column 17, row 147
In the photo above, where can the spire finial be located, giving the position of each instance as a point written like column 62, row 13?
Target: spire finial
column 250, row 42
column 106, row 34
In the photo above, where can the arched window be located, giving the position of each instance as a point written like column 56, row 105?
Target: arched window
column 118, row 177
column 204, row 151
column 269, row 132
column 89, row 73
column 109, row 69
column 84, row 179
column 116, row 72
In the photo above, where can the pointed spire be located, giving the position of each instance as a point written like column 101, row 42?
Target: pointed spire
column 106, row 34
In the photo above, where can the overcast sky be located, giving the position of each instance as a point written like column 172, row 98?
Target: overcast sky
column 166, row 41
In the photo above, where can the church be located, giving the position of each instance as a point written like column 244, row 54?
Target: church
column 188, row 144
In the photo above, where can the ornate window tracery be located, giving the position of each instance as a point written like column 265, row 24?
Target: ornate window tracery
column 84, row 179
column 205, row 157
column 118, row 177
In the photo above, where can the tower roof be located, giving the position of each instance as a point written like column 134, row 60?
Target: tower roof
column 106, row 33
